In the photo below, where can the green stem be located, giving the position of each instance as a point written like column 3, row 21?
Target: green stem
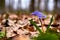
column 42, row 24
column 5, row 31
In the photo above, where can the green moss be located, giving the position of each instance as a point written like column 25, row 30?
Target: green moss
column 2, row 34
column 47, row 36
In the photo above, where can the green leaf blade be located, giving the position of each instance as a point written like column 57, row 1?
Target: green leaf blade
column 33, row 23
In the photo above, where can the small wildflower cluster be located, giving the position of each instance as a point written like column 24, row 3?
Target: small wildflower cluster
column 47, row 35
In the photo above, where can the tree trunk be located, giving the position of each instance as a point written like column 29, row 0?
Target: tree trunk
column 58, row 7
column 32, row 6
column 38, row 4
column 55, row 8
column 2, row 6
column 46, row 5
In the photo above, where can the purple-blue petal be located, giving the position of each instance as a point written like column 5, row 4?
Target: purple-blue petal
column 39, row 14
column 36, row 13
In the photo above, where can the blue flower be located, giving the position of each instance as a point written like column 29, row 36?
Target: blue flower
column 39, row 14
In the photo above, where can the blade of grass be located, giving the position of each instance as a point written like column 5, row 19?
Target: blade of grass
column 51, row 20
column 33, row 23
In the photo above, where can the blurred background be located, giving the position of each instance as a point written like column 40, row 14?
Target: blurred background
column 28, row 6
